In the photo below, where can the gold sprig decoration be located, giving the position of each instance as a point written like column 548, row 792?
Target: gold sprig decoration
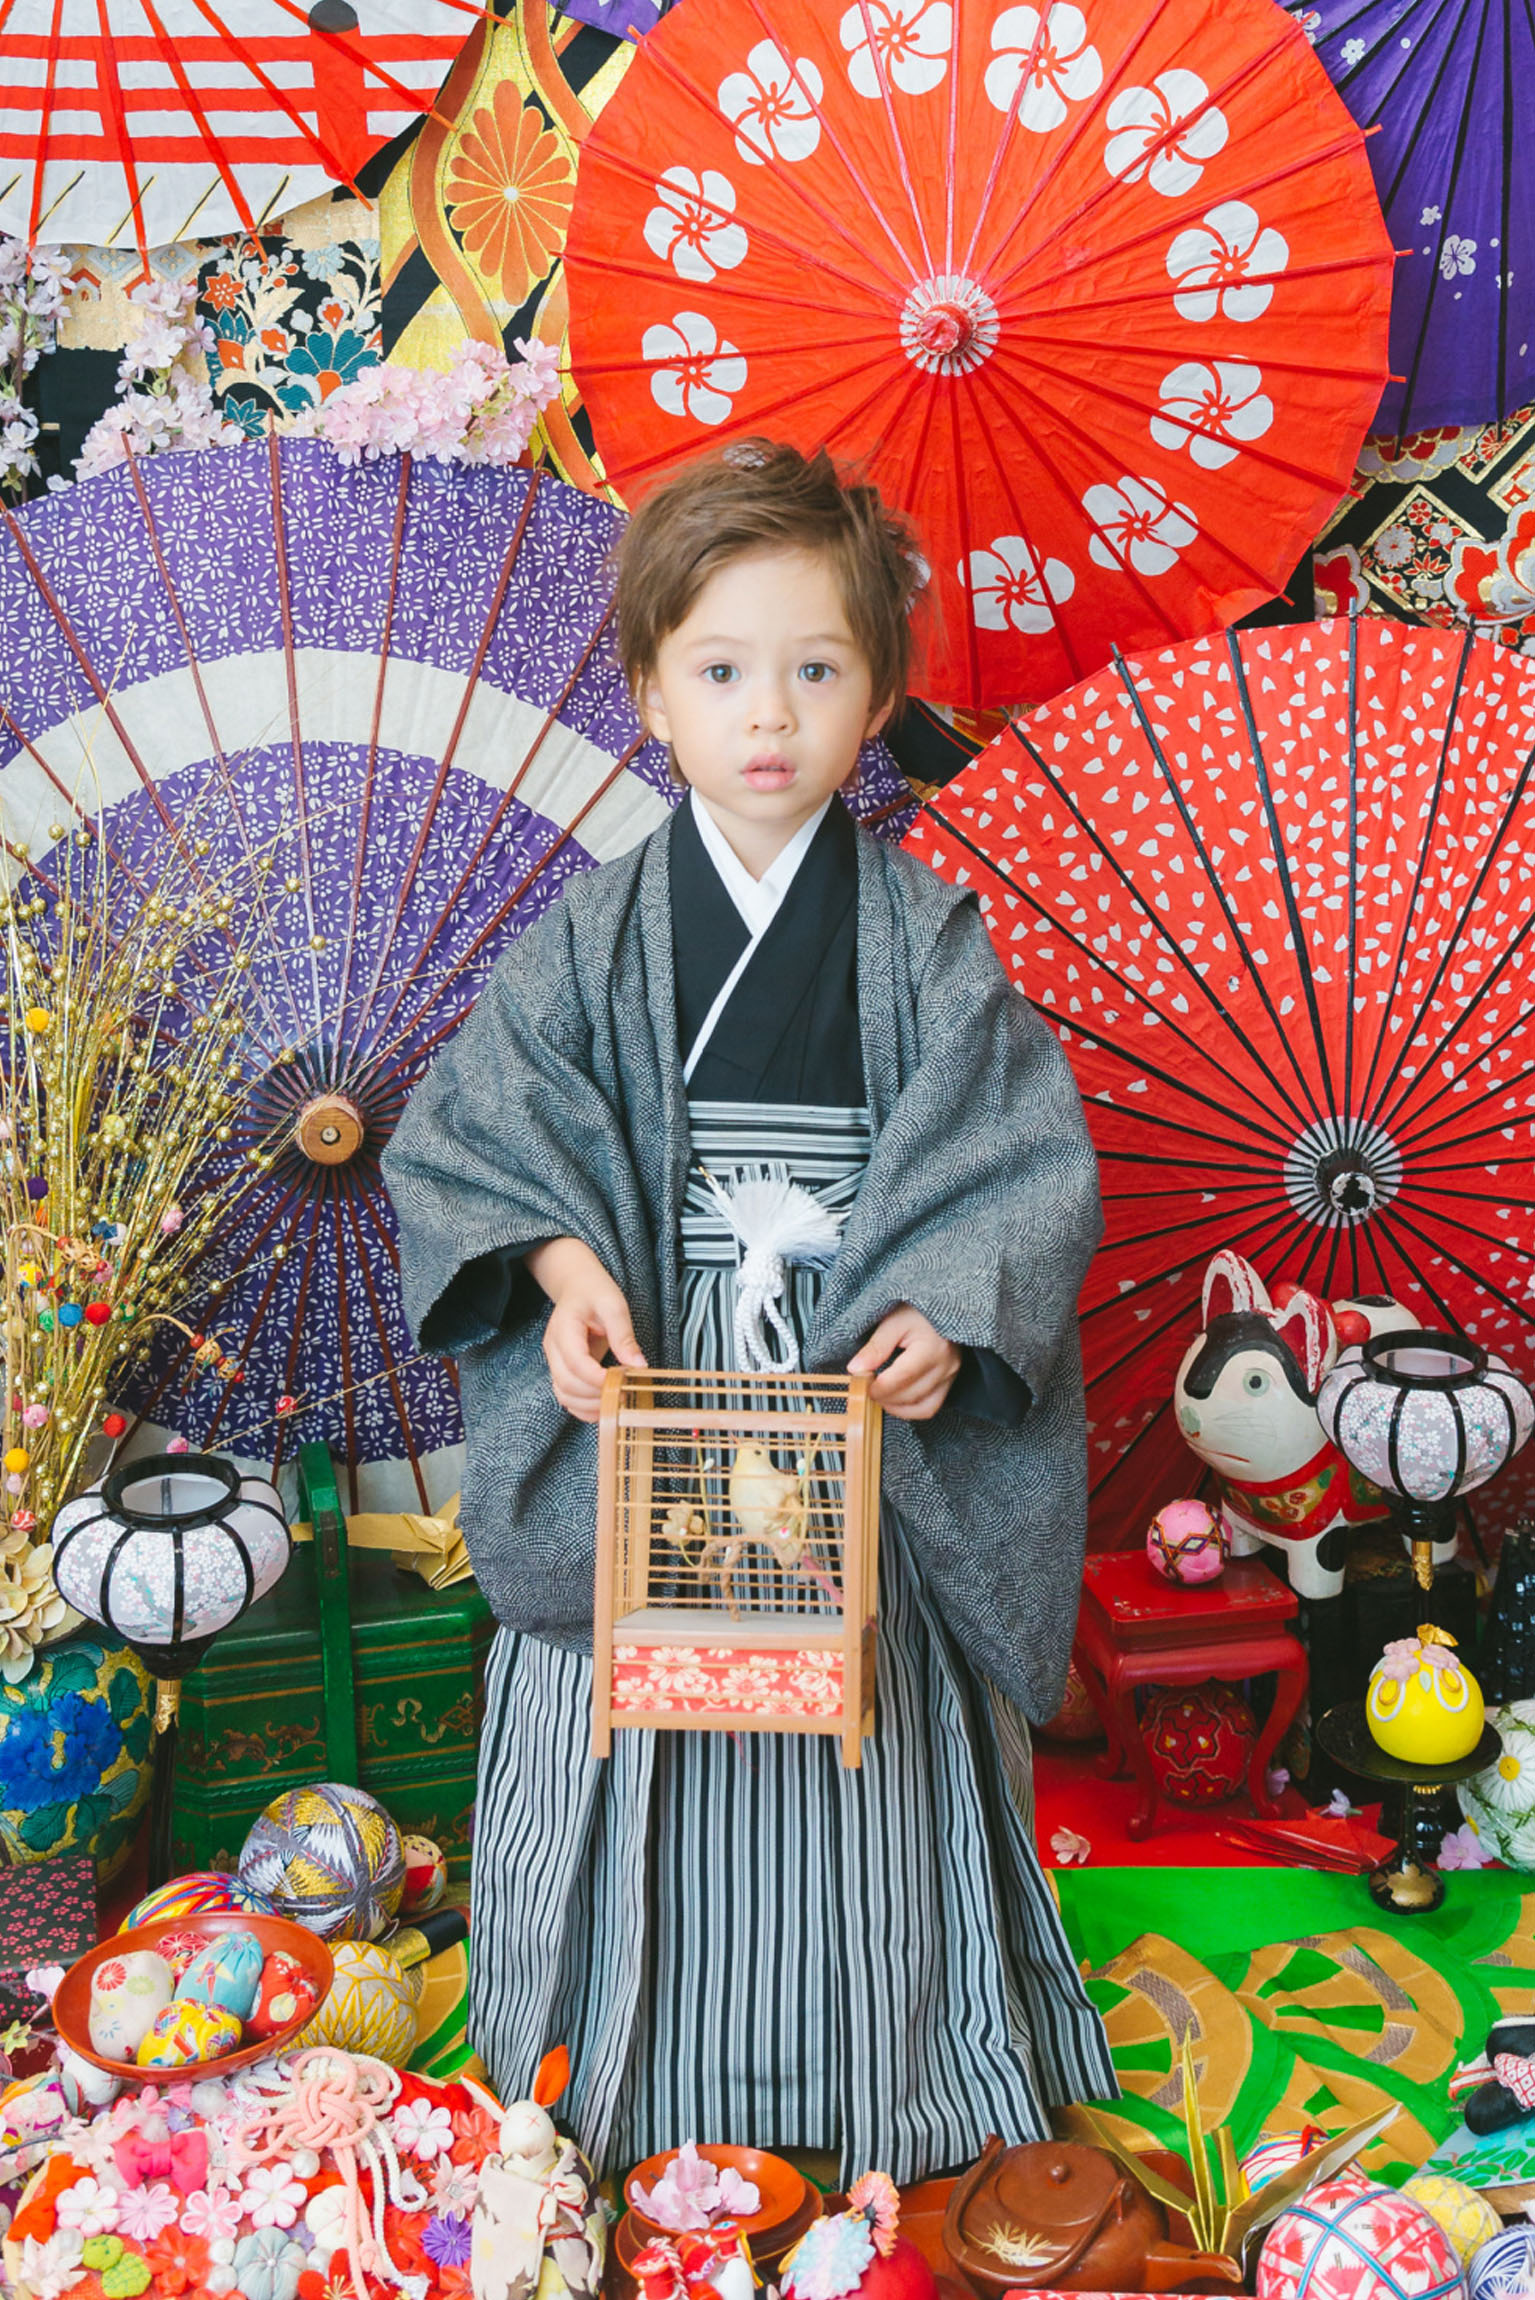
column 127, row 1009
column 1224, row 2215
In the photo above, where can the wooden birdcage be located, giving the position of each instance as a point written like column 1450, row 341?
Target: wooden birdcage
column 737, row 1554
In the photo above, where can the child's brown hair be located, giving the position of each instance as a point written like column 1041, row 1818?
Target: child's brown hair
column 765, row 496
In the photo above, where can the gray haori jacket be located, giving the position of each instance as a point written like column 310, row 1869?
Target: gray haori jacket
column 559, row 1111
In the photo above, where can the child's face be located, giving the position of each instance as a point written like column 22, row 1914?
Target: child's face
column 764, row 697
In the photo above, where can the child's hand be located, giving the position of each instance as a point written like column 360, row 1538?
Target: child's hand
column 589, row 1318
column 920, row 1373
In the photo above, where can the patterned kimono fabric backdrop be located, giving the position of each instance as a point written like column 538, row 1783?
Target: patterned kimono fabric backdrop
column 462, row 261
column 1441, row 529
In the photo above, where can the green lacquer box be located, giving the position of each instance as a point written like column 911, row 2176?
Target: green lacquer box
column 350, row 1670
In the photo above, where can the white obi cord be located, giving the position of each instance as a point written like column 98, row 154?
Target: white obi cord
column 775, row 1223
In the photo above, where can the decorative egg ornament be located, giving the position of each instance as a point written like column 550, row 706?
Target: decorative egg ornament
column 1463, row 2213
column 331, row 1858
column 1423, row 1706
column 1186, row 1543
column 1348, row 2241
column 1501, row 1801
column 1200, row 1739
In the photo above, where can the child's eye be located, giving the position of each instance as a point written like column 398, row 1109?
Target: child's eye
column 719, row 674
column 818, row 673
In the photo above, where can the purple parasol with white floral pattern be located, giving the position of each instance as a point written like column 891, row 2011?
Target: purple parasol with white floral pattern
column 1450, row 94
column 400, row 673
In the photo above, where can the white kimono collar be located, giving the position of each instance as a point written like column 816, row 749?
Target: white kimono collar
column 757, row 899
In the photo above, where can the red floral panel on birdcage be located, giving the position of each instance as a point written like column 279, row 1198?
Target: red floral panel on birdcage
column 705, row 1680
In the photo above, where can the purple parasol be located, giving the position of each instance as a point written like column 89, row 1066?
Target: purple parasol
column 1450, row 92
column 402, row 673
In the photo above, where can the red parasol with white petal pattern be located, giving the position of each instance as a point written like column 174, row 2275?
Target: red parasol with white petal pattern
column 1276, row 891
column 1097, row 293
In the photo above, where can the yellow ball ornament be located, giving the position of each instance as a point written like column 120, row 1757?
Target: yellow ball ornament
column 371, row 2007
column 1463, row 2213
column 17, row 1460
column 1423, row 1706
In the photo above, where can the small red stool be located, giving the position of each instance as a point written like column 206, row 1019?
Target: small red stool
column 1134, row 1628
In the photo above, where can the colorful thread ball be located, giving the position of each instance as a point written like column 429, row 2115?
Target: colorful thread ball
column 331, row 1858
column 1501, row 2268
column 1186, row 1543
column 1275, row 2152
column 1200, row 1739
column 1344, row 2241
column 371, row 2007
column 200, row 1891
column 1462, row 2212
column 426, row 1876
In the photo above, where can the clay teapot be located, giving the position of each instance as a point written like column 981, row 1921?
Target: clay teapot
column 1055, row 2215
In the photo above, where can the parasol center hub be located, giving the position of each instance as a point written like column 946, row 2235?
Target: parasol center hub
column 945, row 327
column 949, row 325
column 1341, row 1171
column 329, row 1129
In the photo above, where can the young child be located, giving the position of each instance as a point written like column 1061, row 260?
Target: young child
column 738, row 1938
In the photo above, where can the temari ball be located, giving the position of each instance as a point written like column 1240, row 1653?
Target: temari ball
column 331, row 1858
column 1501, row 1801
column 1343, row 2241
column 371, row 2007
column 1200, row 1739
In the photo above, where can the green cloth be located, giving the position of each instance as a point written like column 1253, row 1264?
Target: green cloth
column 1306, row 2003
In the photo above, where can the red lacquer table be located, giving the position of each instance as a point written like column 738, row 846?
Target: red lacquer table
column 1134, row 1628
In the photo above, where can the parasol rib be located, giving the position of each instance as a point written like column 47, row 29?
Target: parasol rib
column 825, row 218
column 1082, row 210
column 194, row 104
column 494, row 924
column 987, row 386
column 445, row 764
column 1217, row 888
column 892, row 122
column 1130, row 991
column 1282, row 862
column 801, row 256
column 1446, row 960
column 1441, row 774
column 385, row 643
column 199, row 688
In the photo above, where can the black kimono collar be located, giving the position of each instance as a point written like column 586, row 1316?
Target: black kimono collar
column 791, row 1030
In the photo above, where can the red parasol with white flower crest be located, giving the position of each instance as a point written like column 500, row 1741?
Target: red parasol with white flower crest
column 1098, row 294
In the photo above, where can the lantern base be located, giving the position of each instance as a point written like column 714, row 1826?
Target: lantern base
column 1405, row 1883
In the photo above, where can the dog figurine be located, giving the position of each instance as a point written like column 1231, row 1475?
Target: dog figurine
column 1245, row 1396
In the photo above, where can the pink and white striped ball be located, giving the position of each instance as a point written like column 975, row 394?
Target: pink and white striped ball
column 1347, row 2241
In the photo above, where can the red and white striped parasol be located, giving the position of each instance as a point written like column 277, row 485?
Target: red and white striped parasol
column 137, row 122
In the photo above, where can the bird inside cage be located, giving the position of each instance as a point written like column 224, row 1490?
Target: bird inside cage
column 736, row 1554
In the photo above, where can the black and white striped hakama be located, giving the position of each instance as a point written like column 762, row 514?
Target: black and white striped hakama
column 738, row 1938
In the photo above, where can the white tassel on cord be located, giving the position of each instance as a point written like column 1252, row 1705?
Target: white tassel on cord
column 775, row 1223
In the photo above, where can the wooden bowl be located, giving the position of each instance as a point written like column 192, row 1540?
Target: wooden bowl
column 72, row 1999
